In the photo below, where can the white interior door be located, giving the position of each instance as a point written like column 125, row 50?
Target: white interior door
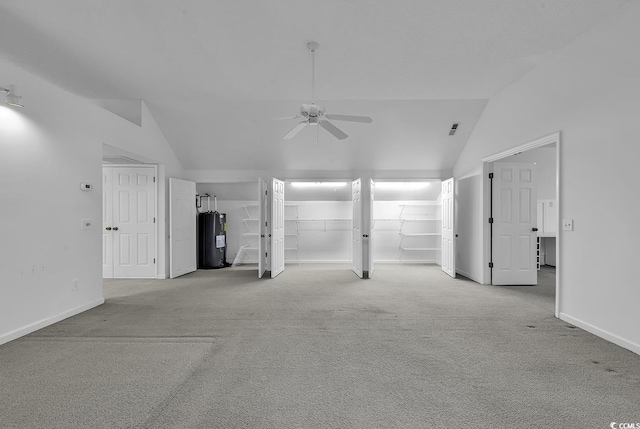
column 277, row 228
column 356, row 258
column 107, row 222
column 182, row 227
column 263, row 204
column 448, row 228
column 370, row 228
column 514, row 223
column 129, row 222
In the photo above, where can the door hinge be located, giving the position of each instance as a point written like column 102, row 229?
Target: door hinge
column 154, row 179
column 154, row 220
column 490, row 264
column 154, row 260
column 266, row 255
column 490, row 220
column 490, row 175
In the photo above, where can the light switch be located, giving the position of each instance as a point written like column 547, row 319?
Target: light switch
column 567, row 224
column 86, row 224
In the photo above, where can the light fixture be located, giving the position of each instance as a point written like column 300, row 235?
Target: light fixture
column 402, row 185
column 12, row 98
column 318, row 184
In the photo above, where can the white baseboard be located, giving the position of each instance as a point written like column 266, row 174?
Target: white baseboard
column 21, row 332
column 615, row 339
column 315, row 261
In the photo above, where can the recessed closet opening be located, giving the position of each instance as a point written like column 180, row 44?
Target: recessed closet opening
column 543, row 209
column 238, row 202
column 407, row 222
column 318, row 222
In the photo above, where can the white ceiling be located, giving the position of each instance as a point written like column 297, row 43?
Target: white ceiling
column 214, row 72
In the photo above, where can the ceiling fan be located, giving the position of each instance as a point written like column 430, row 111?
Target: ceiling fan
column 316, row 115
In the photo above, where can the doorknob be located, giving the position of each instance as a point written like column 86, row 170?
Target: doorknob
column 534, row 229
column 108, row 228
column 365, row 235
column 115, row 228
column 261, row 235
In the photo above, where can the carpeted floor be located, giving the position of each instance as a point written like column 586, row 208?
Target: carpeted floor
column 317, row 348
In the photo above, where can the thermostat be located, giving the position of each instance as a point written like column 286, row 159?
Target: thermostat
column 86, row 186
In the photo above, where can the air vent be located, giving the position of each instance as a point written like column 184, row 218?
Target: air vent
column 110, row 159
column 454, row 128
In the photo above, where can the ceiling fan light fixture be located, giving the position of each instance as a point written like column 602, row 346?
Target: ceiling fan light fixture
column 315, row 115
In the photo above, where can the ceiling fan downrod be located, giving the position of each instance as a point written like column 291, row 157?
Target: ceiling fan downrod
column 313, row 48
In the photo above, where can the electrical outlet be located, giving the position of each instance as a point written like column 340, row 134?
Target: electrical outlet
column 86, row 224
column 567, row 224
column 74, row 285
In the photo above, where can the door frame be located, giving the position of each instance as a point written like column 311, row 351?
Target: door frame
column 486, row 204
column 155, row 206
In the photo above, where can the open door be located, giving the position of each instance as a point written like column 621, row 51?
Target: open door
column 514, row 224
column 448, row 228
column 356, row 191
column 182, row 227
column 263, row 213
column 370, row 230
column 277, row 227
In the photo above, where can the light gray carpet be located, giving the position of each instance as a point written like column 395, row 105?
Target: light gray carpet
column 317, row 348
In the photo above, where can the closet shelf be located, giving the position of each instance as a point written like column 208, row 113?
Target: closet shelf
column 418, row 248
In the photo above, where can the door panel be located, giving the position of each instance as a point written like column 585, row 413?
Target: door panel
column 370, row 228
column 133, row 215
column 107, row 222
column 182, row 227
column 277, row 227
column 356, row 258
column 128, row 211
column 263, row 204
column 515, row 217
column 448, row 228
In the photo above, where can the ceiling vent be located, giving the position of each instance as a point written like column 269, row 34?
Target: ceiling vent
column 111, row 159
column 454, row 128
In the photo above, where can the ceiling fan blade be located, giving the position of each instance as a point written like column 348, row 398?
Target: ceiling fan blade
column 295, row 130
column 333, row 130
column 287, row 117
column 350, row 118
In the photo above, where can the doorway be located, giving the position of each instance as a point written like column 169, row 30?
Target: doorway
column 318, row 222
column 513, row 252
column 129, row 221
column 407, row 222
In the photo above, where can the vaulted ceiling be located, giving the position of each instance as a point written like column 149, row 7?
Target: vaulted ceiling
column 214, row 73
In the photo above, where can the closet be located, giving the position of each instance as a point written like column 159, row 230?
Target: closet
column 239, row 203
column 318, row 222
column 407, row 222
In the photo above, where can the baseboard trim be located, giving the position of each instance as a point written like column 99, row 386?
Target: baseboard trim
column 21, row 332
column 615, row 339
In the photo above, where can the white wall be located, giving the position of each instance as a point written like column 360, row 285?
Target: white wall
column 590, row 91
column 469, row 219
column 46, row 150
